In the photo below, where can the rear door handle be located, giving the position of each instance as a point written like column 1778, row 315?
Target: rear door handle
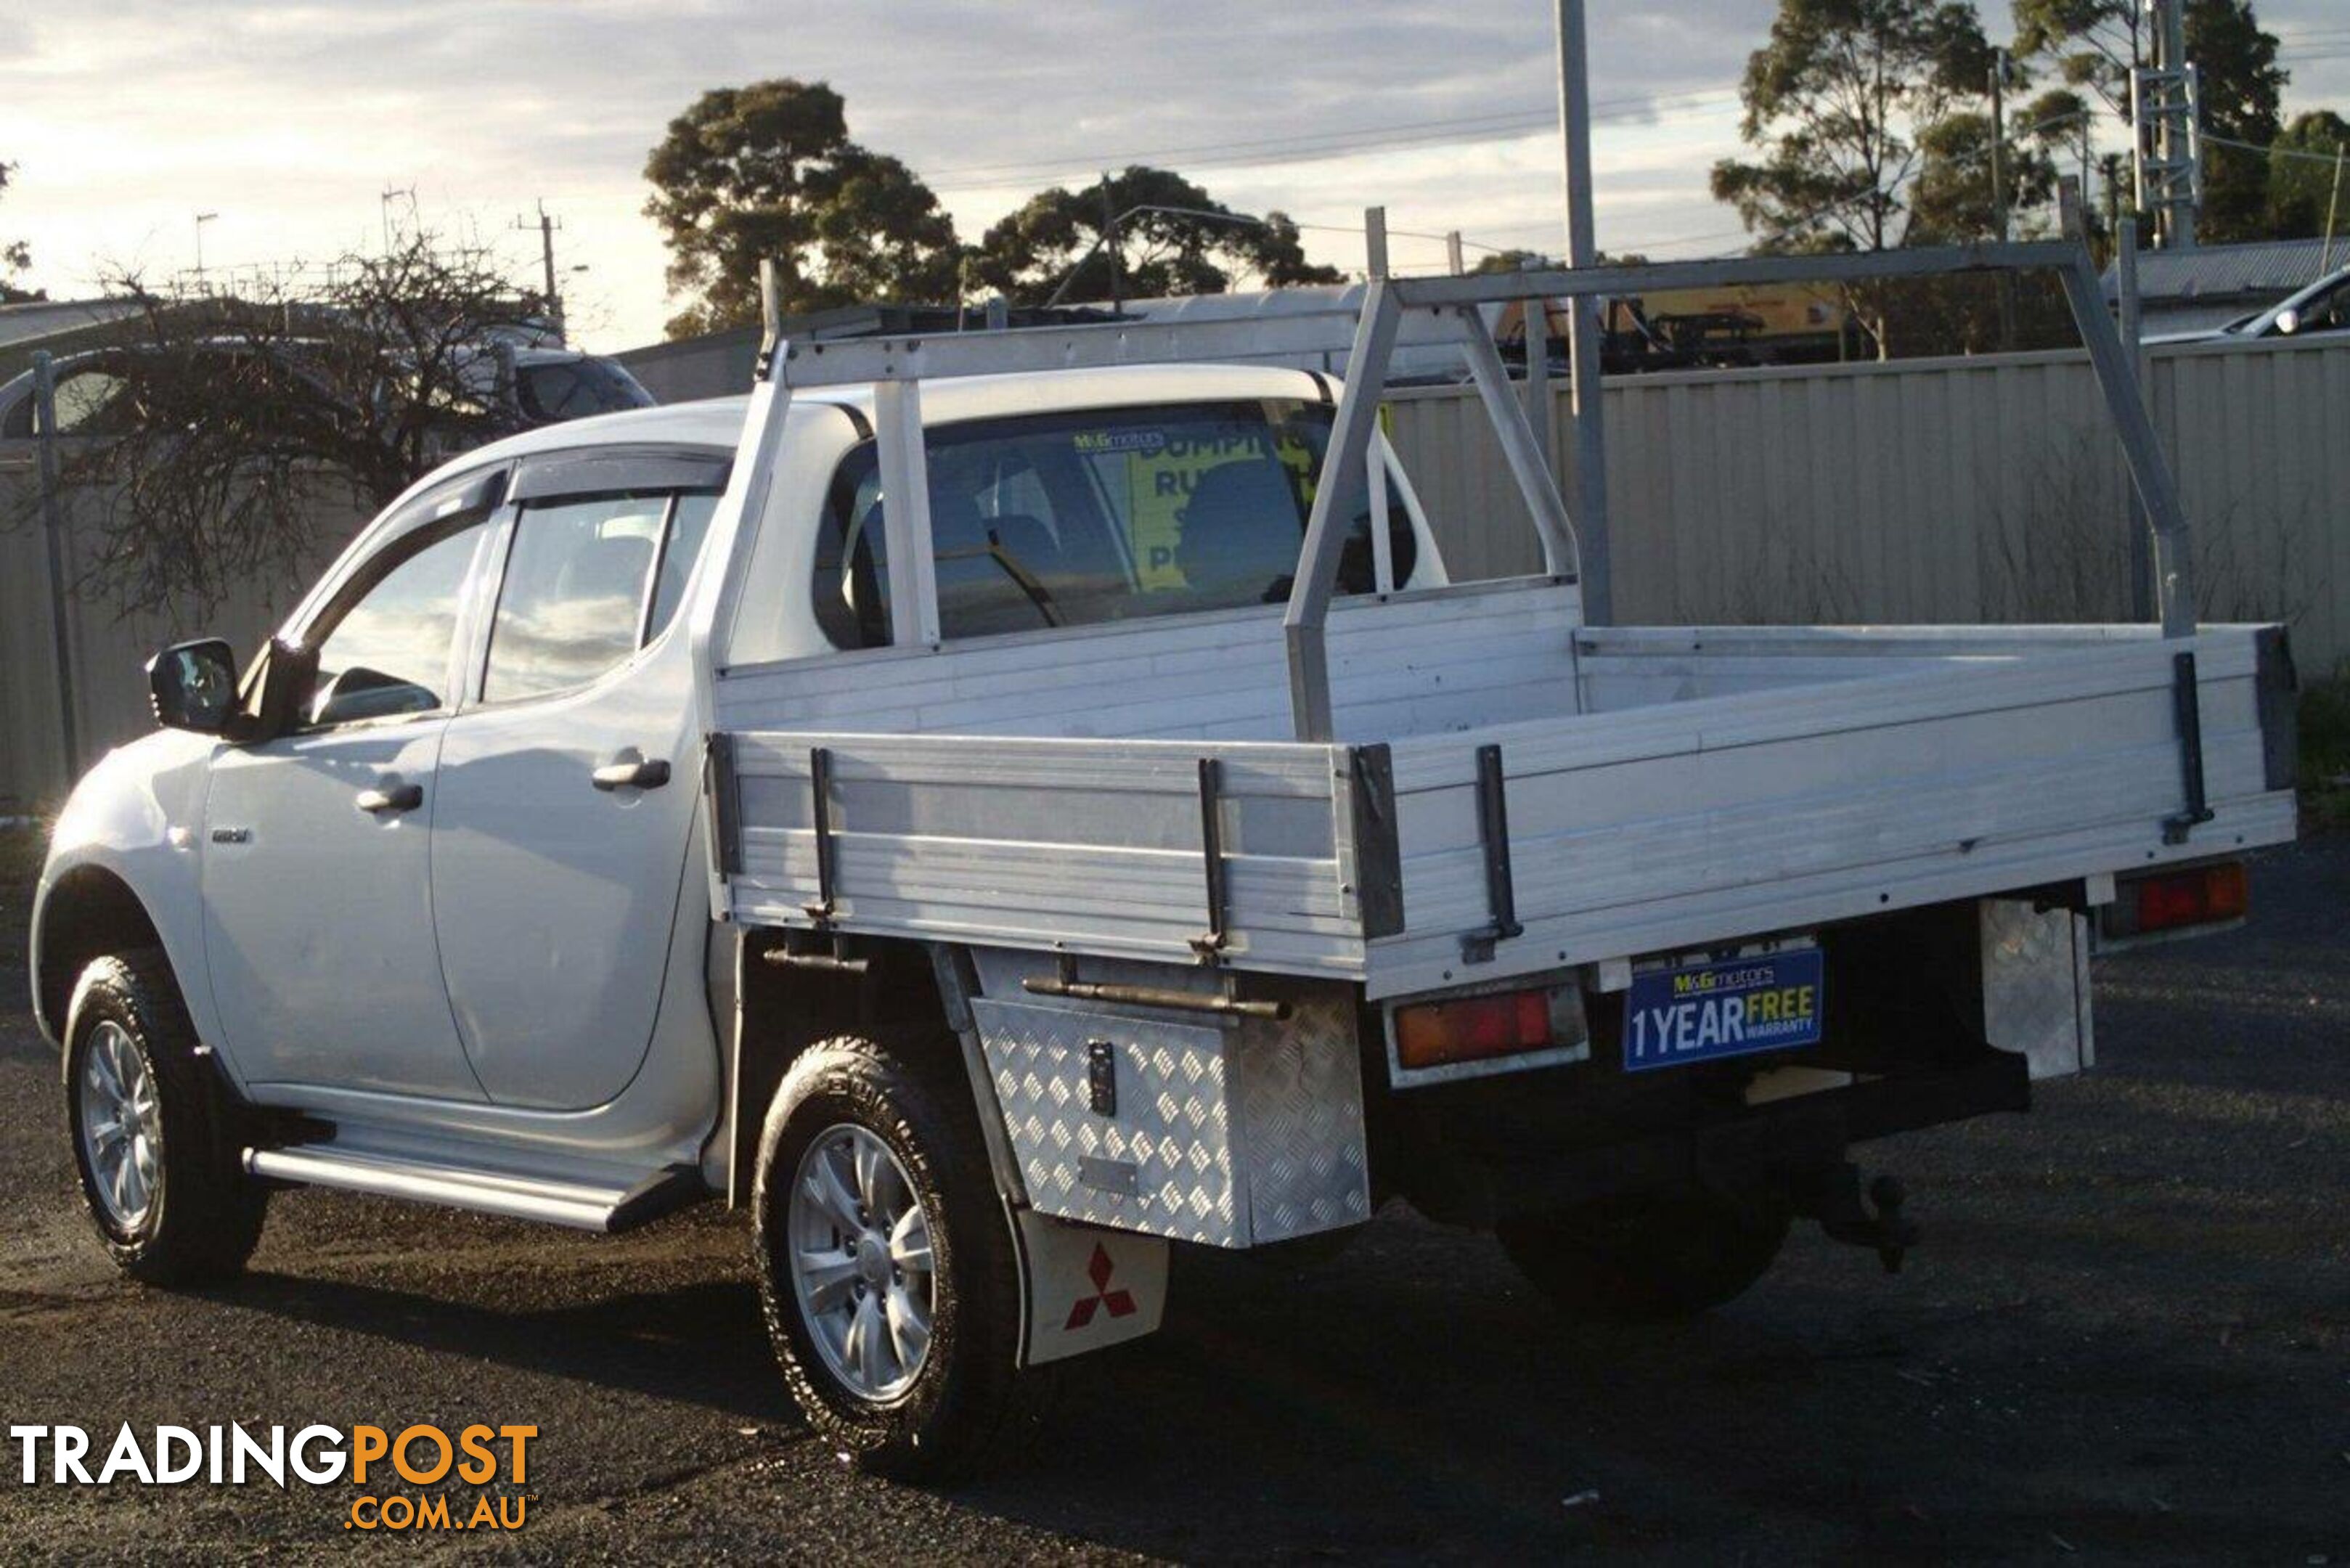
column 392, row 798
column 628, row 771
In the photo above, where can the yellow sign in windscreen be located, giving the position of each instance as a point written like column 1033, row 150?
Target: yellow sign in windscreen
column 1161, row 469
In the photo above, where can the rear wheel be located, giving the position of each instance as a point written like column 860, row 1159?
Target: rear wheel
column 1648, row 1257
column 887, row 1266
column 150, row 1126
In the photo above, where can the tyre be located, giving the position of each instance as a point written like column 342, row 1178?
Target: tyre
column 152, row 1130
column 887, row 1266
column 1648, row 1256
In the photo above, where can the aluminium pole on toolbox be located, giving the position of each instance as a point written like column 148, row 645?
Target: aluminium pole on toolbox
column 53, row 528
column 1582, row 326
column 2141, row 548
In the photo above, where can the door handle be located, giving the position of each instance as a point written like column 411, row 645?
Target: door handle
column 628, row 771
column 392, row 798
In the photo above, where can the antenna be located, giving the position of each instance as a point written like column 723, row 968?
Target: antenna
column 383, row 204
column 546, row 224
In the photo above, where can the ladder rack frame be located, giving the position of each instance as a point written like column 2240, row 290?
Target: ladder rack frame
column 1395, row 311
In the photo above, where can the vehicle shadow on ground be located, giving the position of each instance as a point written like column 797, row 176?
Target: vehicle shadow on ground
column 1414, row 1399
column 701, row 1343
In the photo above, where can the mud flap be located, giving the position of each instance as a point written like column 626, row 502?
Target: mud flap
column 1084, row 1288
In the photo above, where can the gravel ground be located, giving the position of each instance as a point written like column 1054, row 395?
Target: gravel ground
column 2127, row 1337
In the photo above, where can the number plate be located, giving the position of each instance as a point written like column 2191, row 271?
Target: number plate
column 1703, row 1011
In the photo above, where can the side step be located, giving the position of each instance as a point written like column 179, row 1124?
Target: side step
column 584, row 1206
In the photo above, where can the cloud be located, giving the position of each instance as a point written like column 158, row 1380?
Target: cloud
column 290, row 118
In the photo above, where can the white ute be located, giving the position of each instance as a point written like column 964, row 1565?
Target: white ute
column 996, row 805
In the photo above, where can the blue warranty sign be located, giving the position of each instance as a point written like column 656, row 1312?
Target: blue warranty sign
column 1703, row 1011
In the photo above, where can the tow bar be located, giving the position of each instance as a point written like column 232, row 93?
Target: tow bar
column 1833, row 1197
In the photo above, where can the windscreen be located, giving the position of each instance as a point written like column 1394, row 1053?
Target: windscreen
column 575, row 389
column 1074, row 518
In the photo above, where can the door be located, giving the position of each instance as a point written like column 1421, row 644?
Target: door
column 318, row 932
column 568, row 792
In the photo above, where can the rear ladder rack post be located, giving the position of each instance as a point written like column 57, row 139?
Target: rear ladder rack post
column 2151, row 474
column 1344, row 470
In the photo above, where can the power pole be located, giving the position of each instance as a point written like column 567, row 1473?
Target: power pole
column 2165, row 105
column 1582, row 326
column 1999, row 194
column 383, row 208
column 1109, row 240
column 2332, row 211
column 546, row 225
column 1999, row 145
column 53, row 529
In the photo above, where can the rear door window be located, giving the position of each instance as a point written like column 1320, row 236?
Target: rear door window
column 587, row 582
column 1106, row 515
column 574, row 594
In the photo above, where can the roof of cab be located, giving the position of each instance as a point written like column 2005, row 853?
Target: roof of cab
column 718, row 422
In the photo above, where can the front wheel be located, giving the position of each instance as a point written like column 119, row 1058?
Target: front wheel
column 153, row 1140
column 886, row 1265
column 1648, row 1257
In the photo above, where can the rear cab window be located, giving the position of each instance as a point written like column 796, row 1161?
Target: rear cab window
column 1094, row 515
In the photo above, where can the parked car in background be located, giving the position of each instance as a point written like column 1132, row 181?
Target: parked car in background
column 2321, row 310
column 536, row 386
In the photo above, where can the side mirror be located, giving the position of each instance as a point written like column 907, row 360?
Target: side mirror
column 192, row 686
column 2288, row 322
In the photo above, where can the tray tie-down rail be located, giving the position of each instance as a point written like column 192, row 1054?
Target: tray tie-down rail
column 1493, row 838
column 1210, row 944
column 2186, row 702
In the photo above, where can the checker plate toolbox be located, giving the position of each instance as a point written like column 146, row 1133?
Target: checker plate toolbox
column 1233, row 1132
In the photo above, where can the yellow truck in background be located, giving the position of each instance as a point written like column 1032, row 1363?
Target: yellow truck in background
column 1742, row 324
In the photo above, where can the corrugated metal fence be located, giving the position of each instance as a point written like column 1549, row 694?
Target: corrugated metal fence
column 1946, row 490
column 1952, row 490
column 109, row 649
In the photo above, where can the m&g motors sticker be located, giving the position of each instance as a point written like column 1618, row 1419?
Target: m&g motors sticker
column 1700, row 1013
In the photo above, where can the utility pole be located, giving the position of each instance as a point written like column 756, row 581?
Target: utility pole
column 546, row 225
column 1999, row 145
column 1999, row 194
column 2332, row 211
column 1109, row 240
column 2141, row 545
column 1583, row 328
column 384, row 209
column 2164, row 117
column 53, row 529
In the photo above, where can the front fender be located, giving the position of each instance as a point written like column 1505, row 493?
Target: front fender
column 138, row 817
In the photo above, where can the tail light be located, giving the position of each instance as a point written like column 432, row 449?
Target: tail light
column 1481, row 1028
column 2178, row 901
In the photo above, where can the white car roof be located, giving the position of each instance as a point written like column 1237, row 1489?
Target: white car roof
column 718, row 422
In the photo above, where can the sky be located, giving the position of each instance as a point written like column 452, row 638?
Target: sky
column 306, row 127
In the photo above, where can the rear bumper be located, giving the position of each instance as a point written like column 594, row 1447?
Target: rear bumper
column 1741, row 1148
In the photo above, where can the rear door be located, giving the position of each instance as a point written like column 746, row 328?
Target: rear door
column 568, row 779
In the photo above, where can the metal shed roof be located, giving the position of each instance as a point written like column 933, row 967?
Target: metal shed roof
column 2248, row 272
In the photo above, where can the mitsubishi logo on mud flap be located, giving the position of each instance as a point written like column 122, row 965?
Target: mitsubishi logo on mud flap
column 1119, row 1303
